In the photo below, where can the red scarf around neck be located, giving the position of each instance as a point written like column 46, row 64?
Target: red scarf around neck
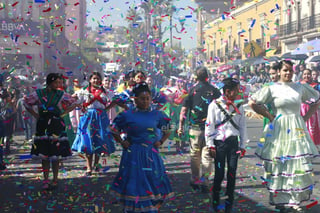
column 96, row 96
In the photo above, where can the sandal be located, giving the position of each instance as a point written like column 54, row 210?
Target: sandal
column 88, row 173
column 45, row 185
column 53, row 185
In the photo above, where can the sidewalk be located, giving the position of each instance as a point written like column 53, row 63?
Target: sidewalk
column 20, row 184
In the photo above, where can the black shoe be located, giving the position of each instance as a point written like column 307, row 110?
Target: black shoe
column 96, row 169
column 215, row 206
column 229, row 204
column 216, row 200
column 2, row 167
column 228, row 209
column 204, row 189
column 194, row 186
column 53, row 186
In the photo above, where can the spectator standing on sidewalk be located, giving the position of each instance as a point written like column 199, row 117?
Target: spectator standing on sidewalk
column 25, row 118
column 315, row 75
column 9, row 122
column 3, row 94
column 313, row 123
column 226, row 135
column 195, row 106
column 274, row 77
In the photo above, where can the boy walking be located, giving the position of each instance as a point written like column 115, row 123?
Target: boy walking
column 225, row 128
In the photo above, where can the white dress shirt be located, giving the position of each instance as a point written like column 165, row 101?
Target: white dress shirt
column 215, row 116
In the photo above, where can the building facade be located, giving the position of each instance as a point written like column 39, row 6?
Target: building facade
column 249, row 31
column 39, row 36
column 209, row 11
column 301, row 23
column 21, row 35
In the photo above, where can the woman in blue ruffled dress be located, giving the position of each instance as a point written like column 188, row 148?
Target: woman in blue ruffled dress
column 286, row 147
column 93, row 134
column 141, row 184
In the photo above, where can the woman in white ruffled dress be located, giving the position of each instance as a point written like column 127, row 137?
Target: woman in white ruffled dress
column 286, row 147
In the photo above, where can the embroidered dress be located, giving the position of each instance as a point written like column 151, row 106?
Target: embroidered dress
column 313, row 124
column 175, row 109
column 287, row 149
column 93, row 133
column 141, row 183
column 125, row 97
column 50, row 141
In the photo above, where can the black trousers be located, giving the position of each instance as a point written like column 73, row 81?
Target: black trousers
column 225, row 150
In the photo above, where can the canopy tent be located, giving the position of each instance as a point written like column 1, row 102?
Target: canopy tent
column 310, row 46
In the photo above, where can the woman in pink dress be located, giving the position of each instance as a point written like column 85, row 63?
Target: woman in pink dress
column 313, row 124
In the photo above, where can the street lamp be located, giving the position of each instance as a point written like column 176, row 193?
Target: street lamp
column 298, row 15
column 289, row 4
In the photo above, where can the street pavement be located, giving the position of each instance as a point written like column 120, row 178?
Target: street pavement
column 20, row 184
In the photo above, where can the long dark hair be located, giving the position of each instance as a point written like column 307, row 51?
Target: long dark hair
column 51, row 77
column 100, row 86
column 285, row 62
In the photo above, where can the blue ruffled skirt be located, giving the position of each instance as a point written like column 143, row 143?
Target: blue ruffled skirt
column 93, row 134
column 142, row 184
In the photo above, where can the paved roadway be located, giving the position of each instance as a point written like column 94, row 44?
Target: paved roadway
column 20, row 184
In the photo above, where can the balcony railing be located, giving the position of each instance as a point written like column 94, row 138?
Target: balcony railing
column 308, row 23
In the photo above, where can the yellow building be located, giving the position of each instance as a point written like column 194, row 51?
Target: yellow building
column 245, row 32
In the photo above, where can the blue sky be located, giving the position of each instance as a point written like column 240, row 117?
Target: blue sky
column 113, row 12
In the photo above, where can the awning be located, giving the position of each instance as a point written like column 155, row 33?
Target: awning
column 299, row 57
column 274, row 58
column 236, row 62
column 260, row 61
column 249, row 61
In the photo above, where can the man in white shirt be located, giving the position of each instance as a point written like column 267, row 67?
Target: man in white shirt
column 225, row 125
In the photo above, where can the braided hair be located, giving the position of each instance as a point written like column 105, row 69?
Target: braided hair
column 51, row 77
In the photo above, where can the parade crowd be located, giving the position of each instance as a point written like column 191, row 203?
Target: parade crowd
column 202, row 113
